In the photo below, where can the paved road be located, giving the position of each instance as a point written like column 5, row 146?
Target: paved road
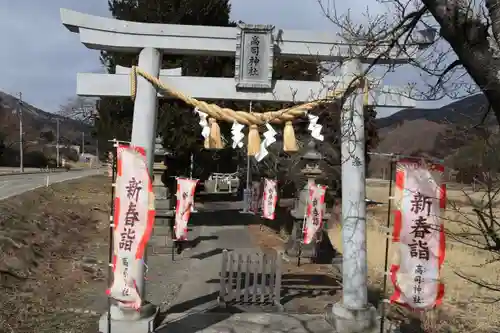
column 8, row 170
column 11, row 185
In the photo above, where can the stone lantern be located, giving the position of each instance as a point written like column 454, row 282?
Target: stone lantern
column 311, row 171
column 162, row 198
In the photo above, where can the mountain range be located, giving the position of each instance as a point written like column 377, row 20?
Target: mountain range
column 39, row 128
column 407, row 132
column 439, row 133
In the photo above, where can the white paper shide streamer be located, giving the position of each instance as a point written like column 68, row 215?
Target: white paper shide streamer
column 269, row 139
column 237, row 135
column 315, row 128
column 205, row 128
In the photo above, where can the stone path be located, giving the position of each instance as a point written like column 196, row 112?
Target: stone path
column 200, row 288
column 165, row 276
column 192, row 302
column 247, row 323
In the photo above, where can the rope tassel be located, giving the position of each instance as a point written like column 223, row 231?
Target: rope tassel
column 253, row 140
column 215, row 141
column 289, row 141
column 242, row 117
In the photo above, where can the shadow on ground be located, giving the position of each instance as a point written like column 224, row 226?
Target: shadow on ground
column 214, row 216
column 208, row 254
column 194, row 315
column 293, row 286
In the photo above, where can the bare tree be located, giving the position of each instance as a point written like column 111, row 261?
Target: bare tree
column 464, row 57
column 476, row 219
column 80, row 108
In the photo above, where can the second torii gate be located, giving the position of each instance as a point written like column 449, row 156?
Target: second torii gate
column 253, row 81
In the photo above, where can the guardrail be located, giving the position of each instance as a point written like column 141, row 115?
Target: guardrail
column 32, row 171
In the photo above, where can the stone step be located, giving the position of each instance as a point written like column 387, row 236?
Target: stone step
column 161, row 241
column 162, row 221
column 161, row 231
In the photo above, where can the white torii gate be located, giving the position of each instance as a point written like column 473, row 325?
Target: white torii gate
column 353, row 314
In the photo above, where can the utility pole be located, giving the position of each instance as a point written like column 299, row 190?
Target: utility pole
column 83, row 142
column 20, row 115
column 97, row 152
column 57, row 142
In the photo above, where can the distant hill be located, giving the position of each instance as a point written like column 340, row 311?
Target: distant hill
column 433, row 132
column 464, row 112
column 39, row 127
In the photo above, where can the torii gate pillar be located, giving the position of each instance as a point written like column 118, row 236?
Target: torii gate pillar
column 143, row 126
column 146, row 105
column 354, row 314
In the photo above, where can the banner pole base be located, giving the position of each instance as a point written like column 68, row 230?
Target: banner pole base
column 246, row 200
column 143, row 321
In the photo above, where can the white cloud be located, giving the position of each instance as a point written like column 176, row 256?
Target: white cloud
column 41, row 57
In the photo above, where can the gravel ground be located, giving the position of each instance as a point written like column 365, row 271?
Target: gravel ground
column 165, row 276
column 54, row 259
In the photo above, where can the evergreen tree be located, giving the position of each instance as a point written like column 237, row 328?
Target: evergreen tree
column 288, row 170
column 177, row 123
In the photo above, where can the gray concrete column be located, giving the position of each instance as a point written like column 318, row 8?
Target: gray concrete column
column 353, row 315
column 353, row 197
column 143, row 135
column 144, row 121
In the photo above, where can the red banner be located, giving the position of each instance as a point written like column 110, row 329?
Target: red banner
column 269, row 199
column 185, row 201
column 315, row 211
column 419, row 234
column 134, row 215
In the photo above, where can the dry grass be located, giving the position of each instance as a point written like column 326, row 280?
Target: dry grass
column 466, row 306
column 53, row 257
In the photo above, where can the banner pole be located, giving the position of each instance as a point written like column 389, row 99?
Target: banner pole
column 246, row 190
column 111, row 231
column 386, row 259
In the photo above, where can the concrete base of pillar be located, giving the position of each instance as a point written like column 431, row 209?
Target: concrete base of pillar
column 352, row 321
column 144, row 321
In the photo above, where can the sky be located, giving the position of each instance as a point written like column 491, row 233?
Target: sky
column 40, row 57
